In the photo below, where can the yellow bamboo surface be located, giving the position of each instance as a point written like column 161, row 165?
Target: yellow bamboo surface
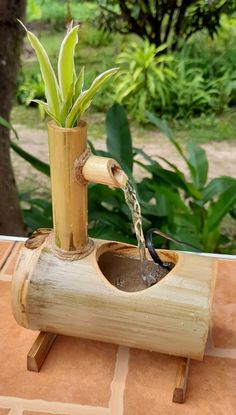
column 69, row 198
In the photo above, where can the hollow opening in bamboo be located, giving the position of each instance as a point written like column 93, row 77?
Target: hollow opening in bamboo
column 124, row 272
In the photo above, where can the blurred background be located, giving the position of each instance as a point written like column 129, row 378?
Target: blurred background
column 168, row 117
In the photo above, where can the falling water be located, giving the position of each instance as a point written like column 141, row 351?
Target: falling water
column 134, row 206
column 148, row 271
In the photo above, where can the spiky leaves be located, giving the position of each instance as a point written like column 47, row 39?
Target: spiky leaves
column 66, row 100
column 84, row 99
column 52, row 91
column 66, row 66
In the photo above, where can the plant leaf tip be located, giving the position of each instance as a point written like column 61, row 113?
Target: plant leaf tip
column 22, row 24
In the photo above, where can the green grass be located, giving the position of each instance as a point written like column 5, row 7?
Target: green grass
column 208, row 128
column 28, row 116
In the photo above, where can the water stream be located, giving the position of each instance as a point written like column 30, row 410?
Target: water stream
column 150, row 272
column 134, row 206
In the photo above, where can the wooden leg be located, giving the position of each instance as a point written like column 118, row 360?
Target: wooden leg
column 39, row 350
column 181, row 381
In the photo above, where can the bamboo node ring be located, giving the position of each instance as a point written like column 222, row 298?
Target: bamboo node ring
column 70, row 255
column 78, row 166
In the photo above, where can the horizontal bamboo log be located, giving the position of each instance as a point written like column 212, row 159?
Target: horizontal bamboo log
column 79, row 298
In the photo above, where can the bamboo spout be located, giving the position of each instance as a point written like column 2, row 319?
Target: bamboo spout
column 104, row 170
column 69, row 198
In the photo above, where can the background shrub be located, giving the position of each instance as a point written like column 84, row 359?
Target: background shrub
column 29, row 88
column 144, row 78
column 199, row 79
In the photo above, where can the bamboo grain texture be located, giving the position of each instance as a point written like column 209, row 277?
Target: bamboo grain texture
column 69, row 198
column 76, row 299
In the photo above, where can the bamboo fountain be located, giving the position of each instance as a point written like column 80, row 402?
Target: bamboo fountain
column 66, row 283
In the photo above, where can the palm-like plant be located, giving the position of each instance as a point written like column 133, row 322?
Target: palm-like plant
column 66, row 100
column 144, row 77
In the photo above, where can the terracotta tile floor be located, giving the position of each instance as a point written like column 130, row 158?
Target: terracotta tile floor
column 91, row 378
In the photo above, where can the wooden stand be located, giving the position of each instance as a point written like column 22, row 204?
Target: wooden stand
column 42, row 345
column 181, row 381
column 39, row 351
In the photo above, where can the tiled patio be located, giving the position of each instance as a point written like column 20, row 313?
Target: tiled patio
column 90, row 378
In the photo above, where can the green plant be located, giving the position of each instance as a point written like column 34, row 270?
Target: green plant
column 199, row 79
column 214, row 56
column 190, row 209
column 30, row 89
column 97, row 38
column 190, row 94
column 33, row 11
column 36, row 211
column 54, row 11
column 66, row 100
column 170, row 85
column 144, row 78
column 205, row 79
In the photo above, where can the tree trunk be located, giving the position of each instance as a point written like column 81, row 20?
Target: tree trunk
column 11, row 222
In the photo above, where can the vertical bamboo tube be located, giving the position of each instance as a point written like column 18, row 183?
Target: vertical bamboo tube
column 69, row 198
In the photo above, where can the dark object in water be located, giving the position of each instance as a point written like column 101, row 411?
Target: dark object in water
column 153, row 252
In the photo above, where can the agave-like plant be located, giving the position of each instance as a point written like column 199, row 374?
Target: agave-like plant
column 66, row 100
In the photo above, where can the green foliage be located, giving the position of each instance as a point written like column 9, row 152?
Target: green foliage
column 66, row 99
column 204, row 68
column 34, row 161
column 205, row 77
column 33, row 11
column 54, row 11
column 191, row 94
column 118, row 128
column 207, row 203
column 36, row 212
column 162, row 21
column 97, row 38
column 186, row 84
column 30, row 89
column 190, row 209
column 144, row 78
column 9, row 126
